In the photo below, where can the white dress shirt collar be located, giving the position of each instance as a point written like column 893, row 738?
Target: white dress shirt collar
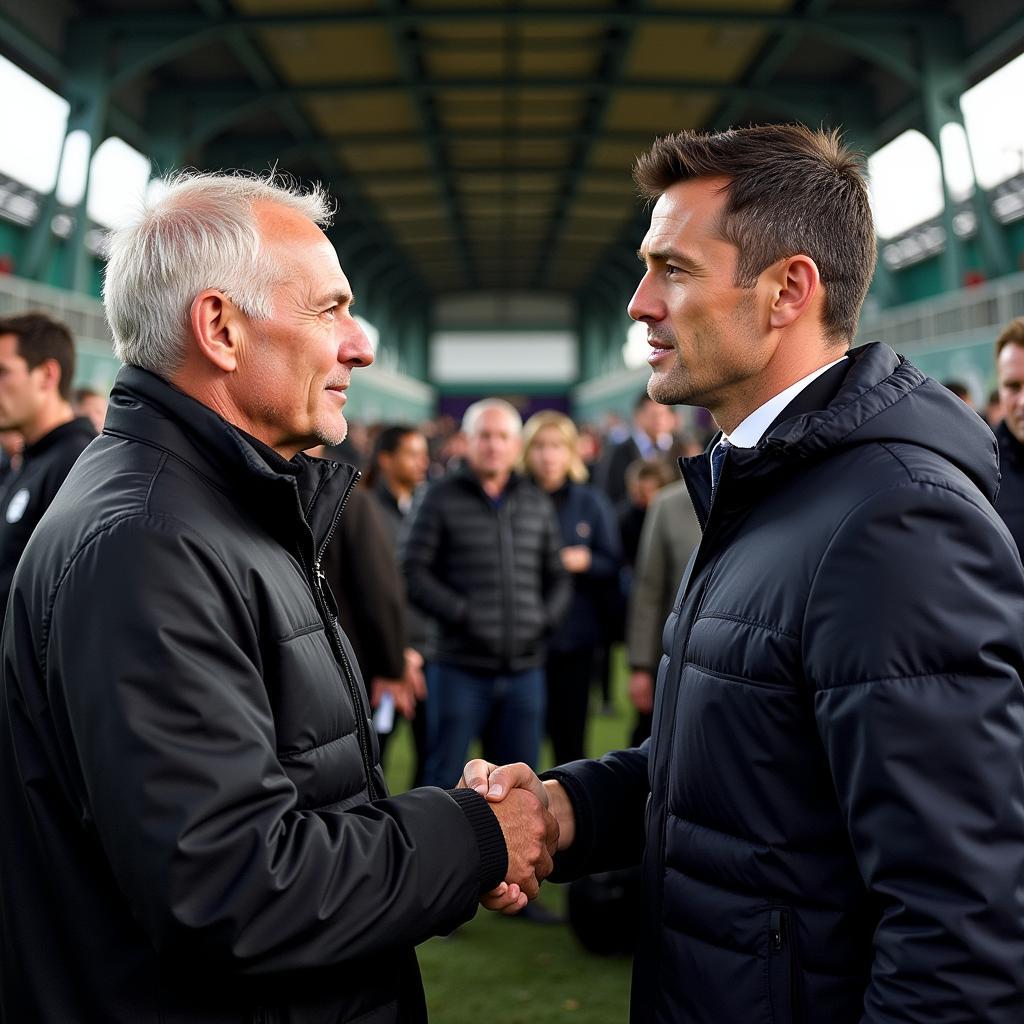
column 752, row 429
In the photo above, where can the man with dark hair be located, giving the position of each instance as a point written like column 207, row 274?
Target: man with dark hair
column 1010, row 430
column 650, row 437
column 37, row 363
column 830, row 809
column 398, row 467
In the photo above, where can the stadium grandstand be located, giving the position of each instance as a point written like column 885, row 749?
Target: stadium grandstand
column 480, row 153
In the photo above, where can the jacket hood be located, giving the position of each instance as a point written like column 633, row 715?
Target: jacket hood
column 884, row 398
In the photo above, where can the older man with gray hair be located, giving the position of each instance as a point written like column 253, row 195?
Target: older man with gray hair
column 196, row 826
column 482, row 558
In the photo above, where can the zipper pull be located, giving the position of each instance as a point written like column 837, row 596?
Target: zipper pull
column 775, row 931
column 318, row 577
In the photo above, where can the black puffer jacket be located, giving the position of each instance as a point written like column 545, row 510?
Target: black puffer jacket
column 195, row 825
column 491, row 575
column 835, row 831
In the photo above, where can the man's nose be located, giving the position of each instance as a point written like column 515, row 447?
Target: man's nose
column 645, row 306
column 355, row 348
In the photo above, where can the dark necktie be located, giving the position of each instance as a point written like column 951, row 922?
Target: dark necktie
column 717, row 458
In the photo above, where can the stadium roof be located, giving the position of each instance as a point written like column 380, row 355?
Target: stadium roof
column 488, row 144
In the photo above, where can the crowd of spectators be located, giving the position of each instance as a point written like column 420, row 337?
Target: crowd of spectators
column 458, row 663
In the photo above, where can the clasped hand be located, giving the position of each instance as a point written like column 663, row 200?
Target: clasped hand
column 520, row 801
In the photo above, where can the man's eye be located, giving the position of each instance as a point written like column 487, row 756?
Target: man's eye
column 671, row 271
column 330, row 313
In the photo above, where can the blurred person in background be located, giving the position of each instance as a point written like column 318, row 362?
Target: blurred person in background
column 650, row 435
column 37, row 365
column 644, row 478
column 1010, row 430
column 993, row 409
column 591, row 555
column 91, row 403
column 670, row 534
column 590, row 447
column 482, row 558
column 11, row 443
column 398, row 468
column 361, row 568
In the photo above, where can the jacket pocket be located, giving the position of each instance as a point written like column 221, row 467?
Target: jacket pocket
column 783, row 968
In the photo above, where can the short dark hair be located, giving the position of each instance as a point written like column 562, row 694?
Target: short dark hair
column 1011, row 334
column 792, row 190
column 41, row 338
column 389, row 440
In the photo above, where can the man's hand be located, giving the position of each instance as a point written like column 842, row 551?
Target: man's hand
column 531, row 837
column 576, row 558
column 496, row 782
column 401, row 692
column 641, row 690
column 413, row 674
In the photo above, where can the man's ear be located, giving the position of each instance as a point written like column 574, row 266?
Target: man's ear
column 48, row 373
column 216, row 328
column 796, row 286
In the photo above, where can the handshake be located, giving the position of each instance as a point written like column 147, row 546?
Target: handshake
column 537, row 820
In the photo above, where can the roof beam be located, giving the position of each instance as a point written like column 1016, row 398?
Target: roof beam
column 278, row 146
column 164, row 24
column 789, row 90
column 613, row 63
column 416, row 81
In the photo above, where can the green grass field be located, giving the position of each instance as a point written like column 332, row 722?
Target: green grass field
column 497, row 970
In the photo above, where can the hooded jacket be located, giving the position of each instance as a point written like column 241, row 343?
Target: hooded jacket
column 834, row 786
column 196, row 828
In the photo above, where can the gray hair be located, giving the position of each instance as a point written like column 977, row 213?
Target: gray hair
column 472, row 415
column 200, row 233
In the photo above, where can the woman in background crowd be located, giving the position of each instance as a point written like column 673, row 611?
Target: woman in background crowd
column 591, row 554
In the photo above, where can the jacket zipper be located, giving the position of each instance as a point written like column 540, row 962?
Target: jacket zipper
column 507, row 563
column 780, row 951
column 318, row 581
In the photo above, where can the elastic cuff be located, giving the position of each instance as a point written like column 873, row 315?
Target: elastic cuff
column 571, row 864
column 489, row 837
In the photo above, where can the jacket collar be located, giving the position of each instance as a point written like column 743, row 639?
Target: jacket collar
column 876, row 395
column 469, row 479
column 282, row 492
column 80, row 426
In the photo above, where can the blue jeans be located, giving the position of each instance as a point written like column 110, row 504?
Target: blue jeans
column 462, row 702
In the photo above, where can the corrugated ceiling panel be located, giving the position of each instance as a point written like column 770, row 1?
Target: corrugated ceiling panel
column 318, row 53
column 363, row 112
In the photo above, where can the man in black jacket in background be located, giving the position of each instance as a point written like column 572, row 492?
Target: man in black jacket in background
column 830, row 809
column 1010, row 431
column 195, row 824
column 37, row 364
column 482, row 558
